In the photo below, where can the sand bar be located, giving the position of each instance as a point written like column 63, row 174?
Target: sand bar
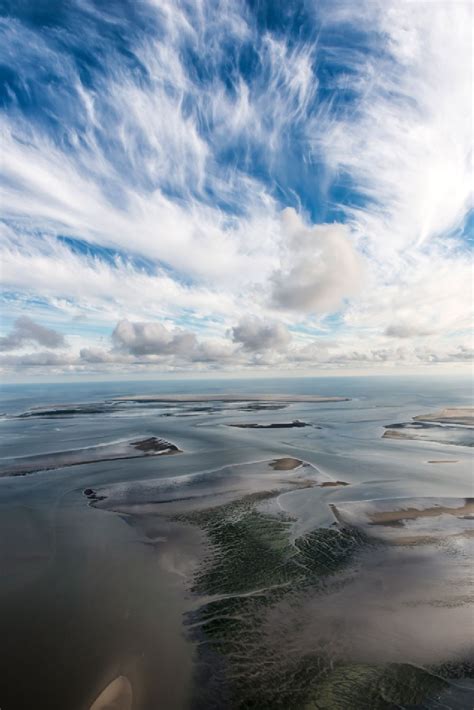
column 23, row 465
column 449, row 415
column 409, row 521
column 451, row 425
column 391, row 516
column 285, row 464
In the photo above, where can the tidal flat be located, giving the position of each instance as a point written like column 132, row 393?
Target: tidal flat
column 302, row 568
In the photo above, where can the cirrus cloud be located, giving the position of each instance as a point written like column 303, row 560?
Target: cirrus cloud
column 206, row 178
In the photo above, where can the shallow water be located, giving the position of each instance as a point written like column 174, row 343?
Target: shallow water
column 89, row 594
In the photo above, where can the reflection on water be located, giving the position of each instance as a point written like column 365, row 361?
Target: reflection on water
column 242, row 572
column 117, row 695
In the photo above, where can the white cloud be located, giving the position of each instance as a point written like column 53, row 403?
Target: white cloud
column 255, row 334
column 96, row 356
column 38, row 359
column 151, row 339
column 148, row 341
column 430, row 295
column 61, row 199
column 142, row 174
column 408, row 146
column 320, row 266
column 35, row 264
column 26, row 332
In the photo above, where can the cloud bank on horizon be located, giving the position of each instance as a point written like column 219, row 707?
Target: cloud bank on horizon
column 223, row 185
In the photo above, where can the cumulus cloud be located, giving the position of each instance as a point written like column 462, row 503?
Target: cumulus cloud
column 256, row 334
column 98, row 356
column 152, row 339
column 151, row 342
column 38, row 359
column 320, row 266
column 26, row 332
column 215, row 350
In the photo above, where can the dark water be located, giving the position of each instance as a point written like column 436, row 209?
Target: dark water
column 92, row 593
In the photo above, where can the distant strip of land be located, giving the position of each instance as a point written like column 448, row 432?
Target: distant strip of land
column 445, row 461
column 229, row 398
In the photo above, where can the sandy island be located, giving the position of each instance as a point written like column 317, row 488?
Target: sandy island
column 295, row 424
column 285, row 464
column 449, row 415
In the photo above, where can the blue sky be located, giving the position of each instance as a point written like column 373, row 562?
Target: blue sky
column 222, row 185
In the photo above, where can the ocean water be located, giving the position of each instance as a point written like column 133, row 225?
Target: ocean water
column 128, row 585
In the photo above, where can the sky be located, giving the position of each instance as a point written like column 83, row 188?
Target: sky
column 208, row 187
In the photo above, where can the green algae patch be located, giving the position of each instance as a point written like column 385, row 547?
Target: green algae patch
column 360, row 687
column 249, row 550
column 254, row 648
column 252, row 551
column 252, row 567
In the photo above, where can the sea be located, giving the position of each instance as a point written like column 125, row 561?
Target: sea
column 92, row 593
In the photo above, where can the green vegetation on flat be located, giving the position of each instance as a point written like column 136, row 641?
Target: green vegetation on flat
column 255, row 575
